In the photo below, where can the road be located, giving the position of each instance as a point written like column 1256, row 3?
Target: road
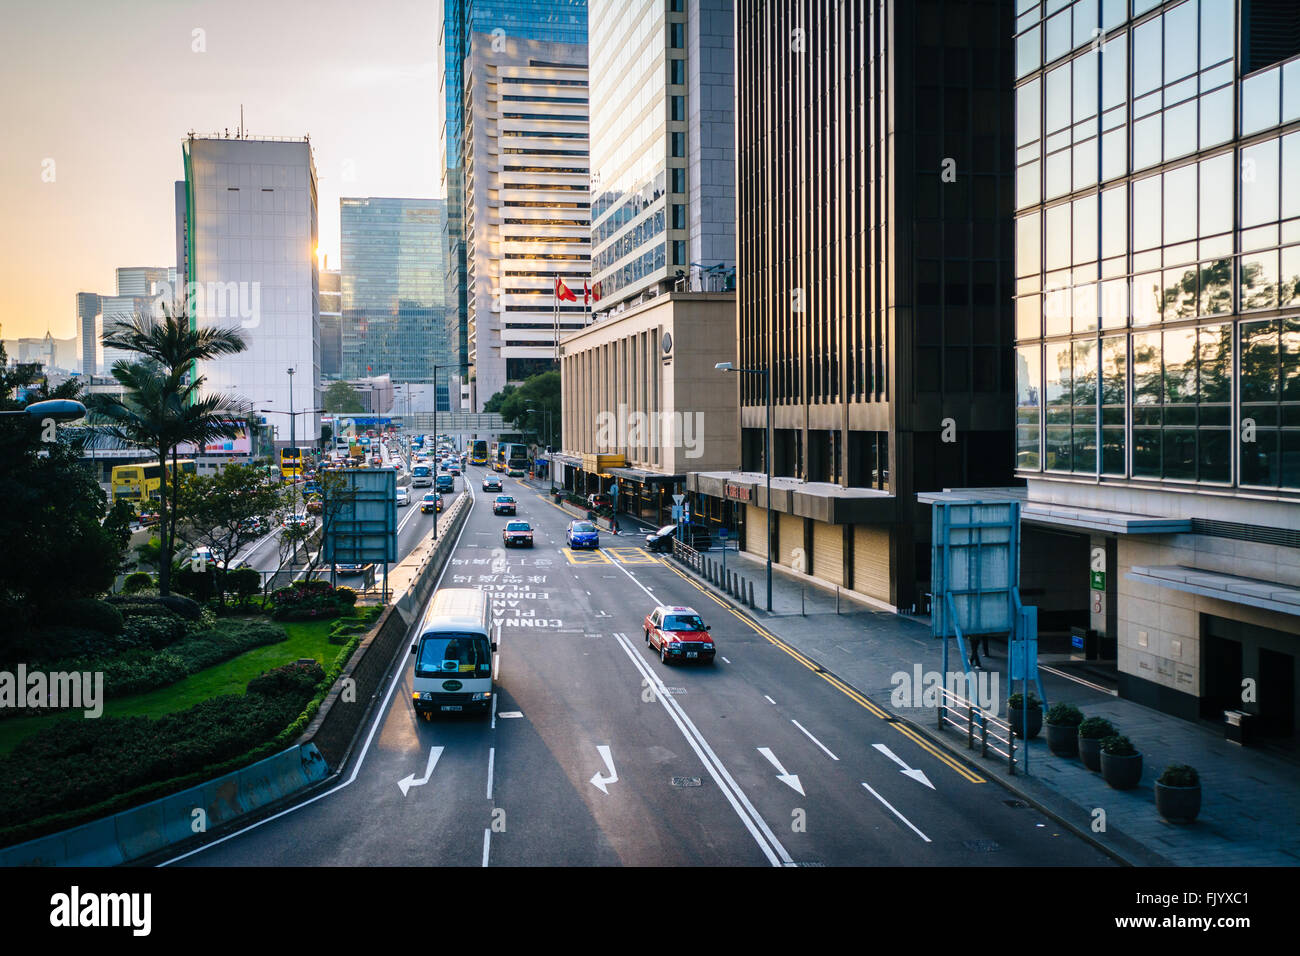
column 598, row 754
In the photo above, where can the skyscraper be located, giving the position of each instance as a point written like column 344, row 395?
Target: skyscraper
column 559, row 21
column 251, row 237
column 662, row 147
column 527, row 205
column 331, row 323
column 88, row 330
column 1158, row 340
column 393, row 301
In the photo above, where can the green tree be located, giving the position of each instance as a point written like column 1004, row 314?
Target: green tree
column 163, row 405
column 494, row 403
column 342, row 399
column 541, row 391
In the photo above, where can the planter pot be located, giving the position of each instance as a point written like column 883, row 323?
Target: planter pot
column 1016, row 718
column 1063, row 740
column 1090, row 752
column 1178, row 804
column 1122, row 773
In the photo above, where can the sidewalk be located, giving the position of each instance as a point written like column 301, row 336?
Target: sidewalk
column 1250, row 810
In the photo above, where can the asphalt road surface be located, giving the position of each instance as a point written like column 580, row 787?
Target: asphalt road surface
column 598, row 754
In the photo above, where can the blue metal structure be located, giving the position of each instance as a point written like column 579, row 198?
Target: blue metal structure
column 361, row 523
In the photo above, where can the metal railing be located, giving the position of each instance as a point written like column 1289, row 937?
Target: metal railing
column 982, row 729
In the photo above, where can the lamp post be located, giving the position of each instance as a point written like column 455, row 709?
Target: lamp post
column 767, row 460
column 292, row 418
column 59, row 409
column 436, row 369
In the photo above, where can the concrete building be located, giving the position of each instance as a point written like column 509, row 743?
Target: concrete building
column 663, row 163
column 331, row 324
column 1158, row 343
column 642, row 385
column 89, row 326
column 251, row 236
column 527, row 207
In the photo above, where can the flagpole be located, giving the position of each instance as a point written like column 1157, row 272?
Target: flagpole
column 555, row 292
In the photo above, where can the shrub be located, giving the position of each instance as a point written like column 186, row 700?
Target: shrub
column 154, row 630
column 138, row 581
column 296, row 679
column 1064, row 715
column 87, row 612
column 1179, row 775
column 243, row 582
column 1118, row 746
column 1096, row 728
column 187, row 608
column 346, row 596
column 1017, row 701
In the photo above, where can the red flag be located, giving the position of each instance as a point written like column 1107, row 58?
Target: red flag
column 586, row 294
column 562, row 291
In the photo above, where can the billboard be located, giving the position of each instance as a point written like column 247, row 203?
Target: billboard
column 241, row 444
column 360, row 517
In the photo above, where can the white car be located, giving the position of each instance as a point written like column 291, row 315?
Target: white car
column 403, row 497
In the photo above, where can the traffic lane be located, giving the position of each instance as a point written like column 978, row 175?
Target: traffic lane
column 958, row 821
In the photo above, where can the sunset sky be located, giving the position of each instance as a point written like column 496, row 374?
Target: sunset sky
column 108, row 89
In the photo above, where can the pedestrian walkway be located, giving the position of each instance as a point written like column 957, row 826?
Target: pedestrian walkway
column 1250, row 812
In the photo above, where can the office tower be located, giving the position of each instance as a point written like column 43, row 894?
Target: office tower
column 393, row 302
column 1158, row 341
column 527, row 206
column 88, row 324
column 874, row 279
column 331, row 323
column 663, row 131
column 251, row 237
column 142, row 280
column 557, row 21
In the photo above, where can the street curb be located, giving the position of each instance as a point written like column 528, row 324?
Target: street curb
column 1120, row 856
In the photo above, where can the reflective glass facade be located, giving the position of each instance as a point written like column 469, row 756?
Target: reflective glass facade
column 393, row 299
column 1157, row 245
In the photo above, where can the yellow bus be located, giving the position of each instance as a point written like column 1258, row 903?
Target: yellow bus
column 290, row 462
column 142, row 483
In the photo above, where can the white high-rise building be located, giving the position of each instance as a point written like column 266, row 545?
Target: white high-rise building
column 250, row 235
column 527, row 205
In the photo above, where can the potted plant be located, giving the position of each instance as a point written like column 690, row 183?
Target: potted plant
column 1121, row 764
column 1063, row 729
column 1178, row 793
column 1016, row 714
column 1092, row 731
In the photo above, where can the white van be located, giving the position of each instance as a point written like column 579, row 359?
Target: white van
column 453, row 654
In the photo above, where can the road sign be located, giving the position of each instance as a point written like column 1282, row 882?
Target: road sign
column 1097, row 580
column 679, row 500
column 677, row 512
column 722, row 534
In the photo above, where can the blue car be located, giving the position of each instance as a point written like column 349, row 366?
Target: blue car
column 582, row 534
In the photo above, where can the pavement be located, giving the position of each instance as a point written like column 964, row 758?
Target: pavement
column 1250, row 812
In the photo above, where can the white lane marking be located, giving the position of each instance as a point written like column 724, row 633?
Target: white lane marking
column 791, row 780
column 487, row 844
column 767, row 842
column 813, row 739
column 599, row 781
column 494, row 710
column 769, row 700
column 492, row 754
column 896, row 813
column 365, row 749
column 725, row 659
column 917, row 775
column 507, row 714
column 409, row 781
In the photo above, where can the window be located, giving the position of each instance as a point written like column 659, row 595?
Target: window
column 1114, row 386
column 679, row 216
column 677, row 35
column 679, row 179
column 678, row 108
column 677, row 72
column 679, row 145
column 1027, row 408
column 679, row 252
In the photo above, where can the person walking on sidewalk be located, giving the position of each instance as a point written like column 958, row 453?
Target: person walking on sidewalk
column 975, row 651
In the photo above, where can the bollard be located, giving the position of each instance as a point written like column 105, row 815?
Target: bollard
column 970, row 727
column 751, row 594
column 731, row 583
column 803, row 594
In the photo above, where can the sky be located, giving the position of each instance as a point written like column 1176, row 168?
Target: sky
column 96, row 97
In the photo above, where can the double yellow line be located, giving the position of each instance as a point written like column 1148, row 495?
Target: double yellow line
column 906, row 731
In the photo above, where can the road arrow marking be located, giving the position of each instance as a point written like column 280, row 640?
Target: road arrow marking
column 599, row 781
column 510, row 713
column 789, row 779
column 917, row 775
column 406, row 783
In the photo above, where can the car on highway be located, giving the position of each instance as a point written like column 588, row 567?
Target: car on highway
column 517, row 532
column 596, row 502
column 491, row 483
column 498, row 466
column 504, row 505
column 254, row 525
column 315, row 505
column 350, row 569
column 582, row 534
column 694, row 536
column 454, row 468
column 149, row 517
column 445, row 483
column 431, row 502
column 678, row 634
column 403, row 497
column 376, row 460
column 298, row 520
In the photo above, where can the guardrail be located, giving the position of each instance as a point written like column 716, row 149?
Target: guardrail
column 983, row 730
column 716, row 573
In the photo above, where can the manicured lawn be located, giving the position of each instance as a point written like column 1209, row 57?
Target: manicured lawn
column 306, row 639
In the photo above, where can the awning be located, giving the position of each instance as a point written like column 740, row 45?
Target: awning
column 645, row 477
column 1226, row 587
column 1066, row 517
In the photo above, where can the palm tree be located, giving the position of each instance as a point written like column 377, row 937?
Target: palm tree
column 162, row 406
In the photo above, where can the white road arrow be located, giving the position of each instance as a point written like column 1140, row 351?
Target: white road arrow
column 406, row 783
column 789, row 779
column 599, row 781
column 917, row 775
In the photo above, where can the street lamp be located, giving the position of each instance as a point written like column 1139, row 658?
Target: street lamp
column 59, row 409
column 767, row 460
column 436, row 368
column 292, row 418
column 550, row 441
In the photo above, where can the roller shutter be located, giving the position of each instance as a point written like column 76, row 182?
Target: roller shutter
column 756, row 530
column 790, row 539
column 828, row 552
column 871, row 561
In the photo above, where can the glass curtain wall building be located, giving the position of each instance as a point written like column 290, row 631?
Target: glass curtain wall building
column 1158, row 317
column 391, row 283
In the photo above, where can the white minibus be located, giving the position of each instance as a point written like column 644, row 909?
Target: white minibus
column 453, row 654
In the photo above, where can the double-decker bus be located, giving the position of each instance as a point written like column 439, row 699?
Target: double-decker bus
column 290, row 462
column 510, row 456
column 142, row 483
column 478, row 452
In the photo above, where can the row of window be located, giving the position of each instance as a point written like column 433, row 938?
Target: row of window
column 648, row 230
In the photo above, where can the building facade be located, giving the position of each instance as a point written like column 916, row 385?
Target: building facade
column 662, row 147
column 1158, row 337
column 251, row 237
column 874, row 282
column 89, row 324
column 331, row 324
column 527, row 206
column 393, row 299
